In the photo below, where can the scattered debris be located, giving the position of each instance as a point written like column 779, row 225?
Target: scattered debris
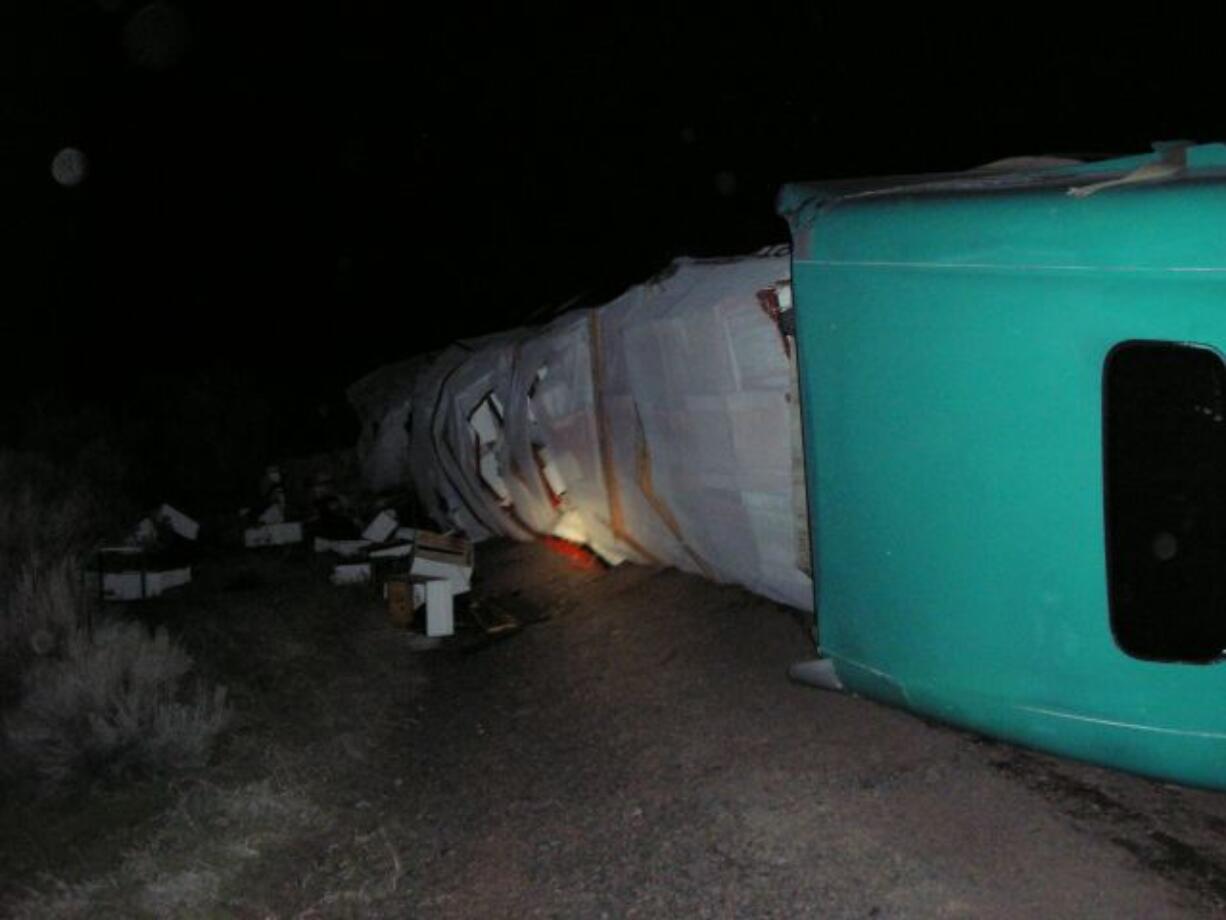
column 382, row 527
column 440, row 607
column 163, row 528
column 155, row 557
column 398, row 550
column 272, row 497
column 440, row 556
column 145, row 534
column 271, row 526
column 332, row 519
column 351, row 573
column 398, row 592
column 138, row 584
column 179, row 522
column 346, row 548
column 515, row 608
column 416, row 570
column 406, row 594
column 413, row 568
column 494, row 624
column 272, row 535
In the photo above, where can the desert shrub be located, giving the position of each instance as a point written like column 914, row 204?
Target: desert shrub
column 78, row 698
column 43, row 609
column 112, row 702
column 50, row 515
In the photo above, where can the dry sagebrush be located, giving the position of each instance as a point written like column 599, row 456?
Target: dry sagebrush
column 113, row 703
column 79, row 700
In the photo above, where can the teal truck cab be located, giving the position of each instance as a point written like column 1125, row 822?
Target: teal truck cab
column 1014, row 403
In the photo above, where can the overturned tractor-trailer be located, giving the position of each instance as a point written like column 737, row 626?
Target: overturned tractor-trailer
column 662, row 428
column 1013, row 401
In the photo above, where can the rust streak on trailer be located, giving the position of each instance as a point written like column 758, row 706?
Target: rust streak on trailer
column 617, row 520
column 768, row 300
column 646, row 484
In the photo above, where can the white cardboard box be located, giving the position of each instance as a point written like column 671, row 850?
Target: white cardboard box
column 347, row 548
column 351, row 573
column 382, row 527
column 395, row 551
column 179, row 522
column 134, row 584
column 145, row 533
column 273, row 534
column 440, row 609
column 485, row 423
column 439, row 555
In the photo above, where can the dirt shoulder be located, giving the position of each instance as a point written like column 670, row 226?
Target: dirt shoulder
column 636, row 751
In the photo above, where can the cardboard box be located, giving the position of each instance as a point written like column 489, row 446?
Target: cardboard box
column 407, row 593
column 273, row 535
column 382, row 527
column 398, row 591
column 394, row 551
column 440, row 609
column 448, row 543
column 134, row 584
column 350, row 549
column 179, row 522
column 486, row 422
column 351, row 573
column 145, row 533
column 444, row 557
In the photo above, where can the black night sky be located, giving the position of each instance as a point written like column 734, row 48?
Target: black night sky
column 292, row 194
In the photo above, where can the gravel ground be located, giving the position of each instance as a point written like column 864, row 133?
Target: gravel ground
column 638, row 751
column 643, row 754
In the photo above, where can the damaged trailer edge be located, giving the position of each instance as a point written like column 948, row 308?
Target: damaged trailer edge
column 1014, row 390
column 660, row 428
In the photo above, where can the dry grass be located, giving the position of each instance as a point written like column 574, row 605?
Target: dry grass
column 267, row 848
column 191, row 862
column 297, row 819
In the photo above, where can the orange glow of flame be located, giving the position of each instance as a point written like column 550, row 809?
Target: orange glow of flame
column 578, row 556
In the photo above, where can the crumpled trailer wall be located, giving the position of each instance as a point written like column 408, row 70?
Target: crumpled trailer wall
column 660, row 428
